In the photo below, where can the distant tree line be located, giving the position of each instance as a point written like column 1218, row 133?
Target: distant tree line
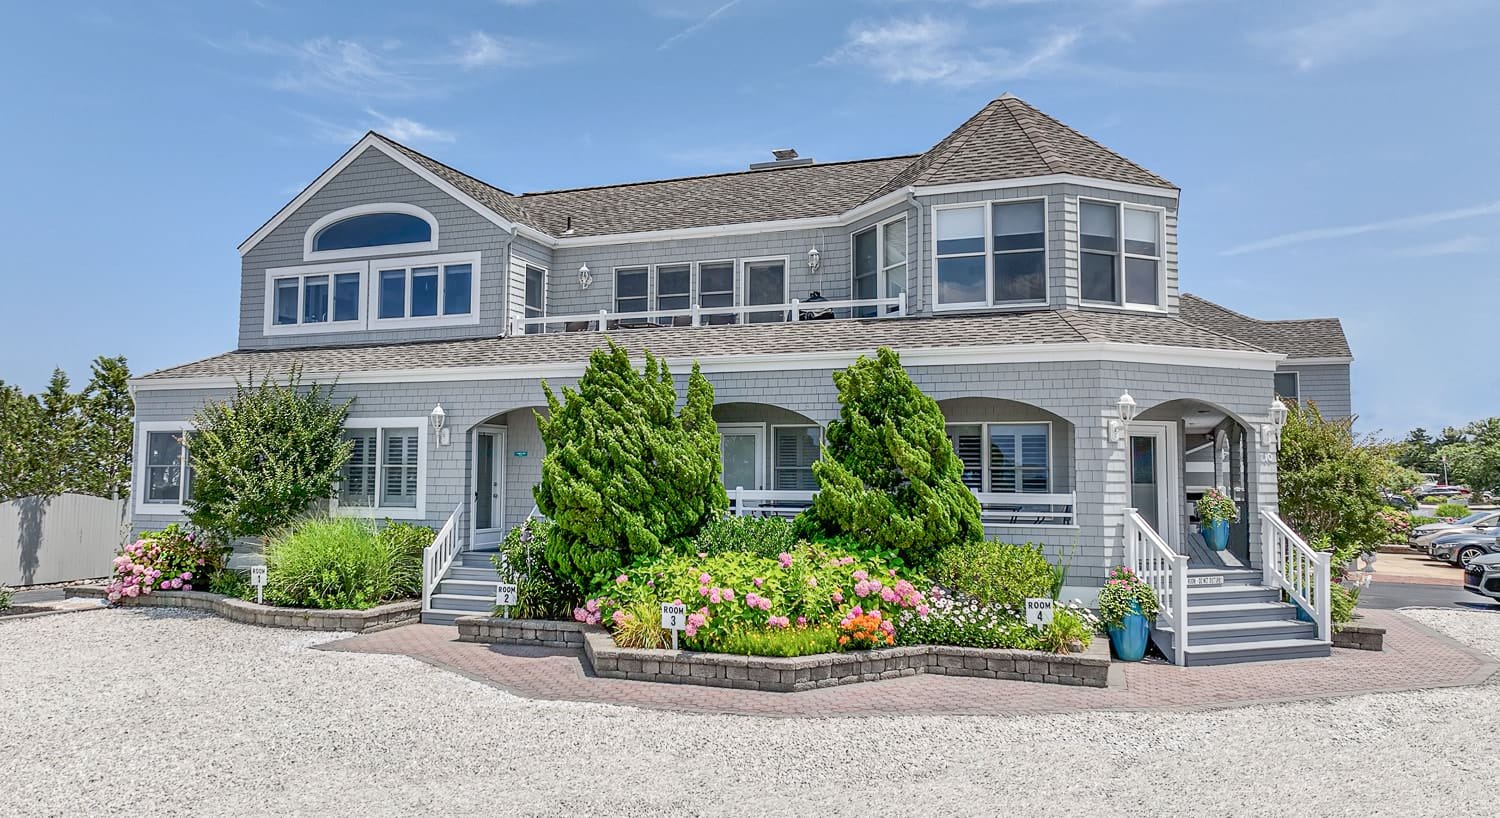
column 1472, row 453
column 61, row 441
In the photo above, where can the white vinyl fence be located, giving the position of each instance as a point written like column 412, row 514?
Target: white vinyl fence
column 57, row 539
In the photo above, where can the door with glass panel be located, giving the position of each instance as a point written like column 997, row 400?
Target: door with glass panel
column 1152, row 477
column 489, row 487
column 742, row 450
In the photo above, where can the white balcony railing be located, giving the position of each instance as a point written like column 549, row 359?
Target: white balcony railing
column 1289, row 563
column 793, row 311
column 995, row 509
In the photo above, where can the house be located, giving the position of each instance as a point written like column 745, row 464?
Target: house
column 1027, row 275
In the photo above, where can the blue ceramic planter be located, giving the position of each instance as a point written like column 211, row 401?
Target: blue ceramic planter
column 1216, row 534
column 1130, row 638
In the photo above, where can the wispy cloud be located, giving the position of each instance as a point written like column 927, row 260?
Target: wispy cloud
column 1354, row 29
column 480, row 50
column 698, row 26
column 1460, row 245
column 928, row 50
column 1403, row 223
column 399, row 128
column 325, row 65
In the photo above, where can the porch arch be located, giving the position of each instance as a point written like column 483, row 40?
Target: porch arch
column 766, row 447
column 1019, row 459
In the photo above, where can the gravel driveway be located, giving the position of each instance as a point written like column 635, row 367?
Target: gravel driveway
column 160, row 712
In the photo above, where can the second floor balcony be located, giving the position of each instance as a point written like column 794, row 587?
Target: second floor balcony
column 813, row 308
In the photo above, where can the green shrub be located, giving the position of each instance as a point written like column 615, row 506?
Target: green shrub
column 761, row 536
column 1432, row 500
column 1341, row 604
column 338, row 563
column 996, row 573
column 962, row 621
column 639, row 626
column 262, row 458
column 231, row 583
column 785, row 642
column 889, row 476
column 1330, row 484
column 6, row 597
column 1451, row 510
column 541, row 592
column 1422, row 519
column 625, row 474
column 405, row 538
column 173, row 559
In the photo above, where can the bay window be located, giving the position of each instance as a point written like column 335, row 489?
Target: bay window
column 1120, row 253
column 385, row 470
column 992, row 254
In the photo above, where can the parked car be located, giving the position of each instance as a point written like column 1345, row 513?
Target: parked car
column 1441, row 491
column 1398, row 501
column 1482, row 576
column 1461, row 548
column 1422, row 536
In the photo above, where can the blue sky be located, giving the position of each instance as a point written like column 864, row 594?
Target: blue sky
column 1336, row 158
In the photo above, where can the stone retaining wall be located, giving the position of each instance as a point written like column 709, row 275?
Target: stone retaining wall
column 1088, row 669
column 1360, row 637
column 497, row 631
column 239, row 610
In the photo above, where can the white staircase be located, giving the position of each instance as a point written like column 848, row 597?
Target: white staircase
column 466, row 588
column 1217, row 616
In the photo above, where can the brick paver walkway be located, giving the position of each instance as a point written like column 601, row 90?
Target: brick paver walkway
column 1414, row 657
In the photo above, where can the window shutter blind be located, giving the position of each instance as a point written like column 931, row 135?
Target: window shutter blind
column 968, row 443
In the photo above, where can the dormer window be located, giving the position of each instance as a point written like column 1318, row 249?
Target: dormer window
column 371, row 230
column 1120, row 254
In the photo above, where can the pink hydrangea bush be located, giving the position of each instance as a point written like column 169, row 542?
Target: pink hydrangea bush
column 732, row 594
column 174, row 559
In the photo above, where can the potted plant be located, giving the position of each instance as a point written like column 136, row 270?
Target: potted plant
column 1215, row 512
column 1127, row 607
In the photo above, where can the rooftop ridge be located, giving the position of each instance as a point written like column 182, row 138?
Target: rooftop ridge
column 720, row 175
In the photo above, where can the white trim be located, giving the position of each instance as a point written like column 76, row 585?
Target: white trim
column 988, row 254
column 140, row 478
column 526, row 268
column 882, row 267
column 376, row 510
column 847, row 217
column 1332, row 361
column 654, row 287
column 614, row 286
column 762, row 452
column 734, row 284
column 336, row 216
column 1121, row 255
column 744, row 282
column 772, row 362
column 441, row 261
column 302, row 271
column 1170, row 495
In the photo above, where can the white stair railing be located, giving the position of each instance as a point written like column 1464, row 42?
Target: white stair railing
column 1165, row 570
column 1289, row 563
column 436, row 558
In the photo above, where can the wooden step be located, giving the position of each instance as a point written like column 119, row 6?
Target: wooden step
column 1266, row 651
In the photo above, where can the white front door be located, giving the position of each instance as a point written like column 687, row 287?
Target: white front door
column 742, row 449
column 1152, row 471
column 489, row 487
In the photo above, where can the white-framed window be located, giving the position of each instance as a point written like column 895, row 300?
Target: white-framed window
column 879, row 265
column 315, row 298
column 765, row 281
column 164, row 467
column 369, row 230
column 716, row 288
column 794, row 449
column 536, row 296
column 1004, row 458
column 386, row 474
column 1288, row 385
column 632, row 288
column 991, row 253
column 674, row 291
column 425, row 291
column 1120, row 254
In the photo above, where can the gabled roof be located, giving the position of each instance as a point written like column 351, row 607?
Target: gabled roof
column 1295, row 338
column 731, row 341
column 1007, row 140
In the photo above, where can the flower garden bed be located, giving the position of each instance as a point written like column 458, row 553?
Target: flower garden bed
column 239, row 610
column 1088, row 669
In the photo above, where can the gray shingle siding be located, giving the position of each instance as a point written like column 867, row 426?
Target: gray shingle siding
column 1327, row 385
column 374, row 177
column 1078, row 396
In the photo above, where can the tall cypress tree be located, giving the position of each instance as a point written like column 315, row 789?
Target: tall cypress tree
column 103, row 452
column 624, row 474
column 889, row 476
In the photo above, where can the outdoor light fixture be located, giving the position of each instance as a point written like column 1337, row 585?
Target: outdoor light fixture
column 1124, row 414
column 814, row 259
column 439, row 420
column 585, row 278
column 1272, row 431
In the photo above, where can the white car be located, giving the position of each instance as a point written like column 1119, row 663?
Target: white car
column 1422, row 536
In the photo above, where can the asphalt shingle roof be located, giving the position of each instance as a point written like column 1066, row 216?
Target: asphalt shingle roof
column 704, row 343
column 1008, row 139
column 1294, row 338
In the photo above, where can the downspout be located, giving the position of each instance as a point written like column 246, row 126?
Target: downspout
column 510, row 239
column 911, row 201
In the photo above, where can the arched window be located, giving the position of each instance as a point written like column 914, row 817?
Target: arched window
column 351, row 232
column 373, row 230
